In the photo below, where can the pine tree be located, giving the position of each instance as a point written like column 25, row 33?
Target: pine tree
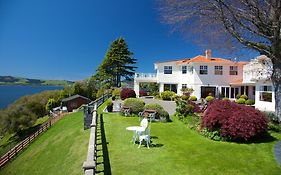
column 118, row 64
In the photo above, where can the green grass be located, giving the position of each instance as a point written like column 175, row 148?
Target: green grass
column 60, row 150
column 180, row 150
column 11, row 140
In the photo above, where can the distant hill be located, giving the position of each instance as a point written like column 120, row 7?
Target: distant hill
column 10, row 80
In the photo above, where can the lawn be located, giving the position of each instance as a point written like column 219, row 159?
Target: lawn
column 11, row 140
column 60, row 150
column 178, row 150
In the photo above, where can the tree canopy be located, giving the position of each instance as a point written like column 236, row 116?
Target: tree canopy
column 118, row 63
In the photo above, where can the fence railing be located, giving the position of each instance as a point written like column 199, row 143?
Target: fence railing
column 24, row 143
column 90, row 110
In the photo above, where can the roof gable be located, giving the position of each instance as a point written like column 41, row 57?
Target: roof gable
column 74, row 97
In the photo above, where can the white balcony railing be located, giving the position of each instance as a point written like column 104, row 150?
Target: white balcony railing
column 145, row 76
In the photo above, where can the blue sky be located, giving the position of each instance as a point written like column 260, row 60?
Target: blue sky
column 67, row 39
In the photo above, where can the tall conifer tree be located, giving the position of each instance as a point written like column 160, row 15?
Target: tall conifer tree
column 118, row 64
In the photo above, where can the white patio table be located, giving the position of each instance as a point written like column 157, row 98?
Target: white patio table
column 136, row 130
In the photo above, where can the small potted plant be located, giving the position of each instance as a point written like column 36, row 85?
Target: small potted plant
column 109, row 106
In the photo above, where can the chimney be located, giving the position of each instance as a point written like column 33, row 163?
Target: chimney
column 208, row 54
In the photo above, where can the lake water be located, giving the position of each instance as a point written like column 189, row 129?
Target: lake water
column 10, row 93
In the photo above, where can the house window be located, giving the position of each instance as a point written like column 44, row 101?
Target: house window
column 218, row 70
column 184, row 86
column 266, row 93
column 203, row 70
column 184, row 69
column 233, row 70
column 168, row 70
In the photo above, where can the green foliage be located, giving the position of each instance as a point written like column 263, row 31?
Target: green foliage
column 150, row 88
column 116, row 92
column 225, row 98
column 209, row 98
column 184, row 97
column 136, row 105
column 100, row 93
column 250, row 102
column 241, row 101
column 193, row 98
column 117, row 64
column 167, row 95
column 214, row 135
column 238, row 96
column 52, row 103
column 161, row 113
column 275, row 127
column 244, row 96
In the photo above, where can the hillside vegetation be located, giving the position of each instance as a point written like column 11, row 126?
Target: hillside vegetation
column 10, row 80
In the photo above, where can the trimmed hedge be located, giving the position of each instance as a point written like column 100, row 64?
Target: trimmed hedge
column 184, row 97
column 127, row 93
column 233, row 121
column 136, row 105
column 209, row 98
column 116, row 92
column 167, row 95
column 244, row 96
column 161, row 113
column 241, row 101
column 250, row 102
column 192, row 98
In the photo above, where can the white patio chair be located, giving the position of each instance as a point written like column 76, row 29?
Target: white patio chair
column 145, row 136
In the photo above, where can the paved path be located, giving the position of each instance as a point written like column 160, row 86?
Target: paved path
column 169, row 106
column 277, row 152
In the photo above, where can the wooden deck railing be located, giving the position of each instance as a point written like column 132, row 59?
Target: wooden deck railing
column 23, row 144
column 90, row 164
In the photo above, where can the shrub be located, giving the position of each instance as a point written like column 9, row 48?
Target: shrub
column 175, row 97
column 142, row 93
column 184, row 97
column 250, row 102
column 109, row 103
column 100, row 92
column 127, row 93
column 225, row 98
column 244, row 96
column 241, row 101
column 136, row 105
column 186, row 108
column 161, row 113
column 238, row 96
column 209, row 98
column 116, row 92
column 167, row 95
column 192, row 98
column 233, row 121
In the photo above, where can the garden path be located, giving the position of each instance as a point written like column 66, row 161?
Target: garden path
column 277, row 152
column 169, row 106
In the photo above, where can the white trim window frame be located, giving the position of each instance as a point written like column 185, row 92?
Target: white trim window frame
column 168, row 70
column 218, row 70
column 203, row 70
column 183, row 69
column 233, row 70
column 184, row 86
column 265, row 93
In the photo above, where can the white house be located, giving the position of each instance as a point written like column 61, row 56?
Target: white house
column 258, row 71
column 204, row 74
column 217, row 76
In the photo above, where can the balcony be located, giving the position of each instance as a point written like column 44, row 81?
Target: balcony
column 145, row 77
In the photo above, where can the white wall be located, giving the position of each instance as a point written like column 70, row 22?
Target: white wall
column 216, row 80
column 263, row 105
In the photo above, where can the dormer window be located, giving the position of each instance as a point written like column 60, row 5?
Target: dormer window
column 203, row 70
column 184, row 69
column 218, row 70
column 233, row 70
column 168, row 69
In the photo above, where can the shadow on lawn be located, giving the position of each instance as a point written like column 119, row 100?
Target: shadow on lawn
column 102, row 141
